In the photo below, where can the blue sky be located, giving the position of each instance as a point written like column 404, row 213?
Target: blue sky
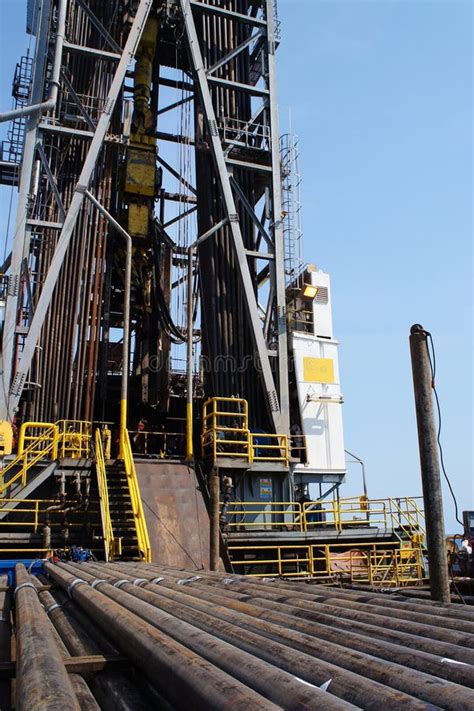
column 381, row 97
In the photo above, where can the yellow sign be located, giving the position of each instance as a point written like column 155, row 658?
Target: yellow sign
column 6, row 438
column 318, row 370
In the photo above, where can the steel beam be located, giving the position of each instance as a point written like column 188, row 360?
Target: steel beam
column 235, row 52
column 216, row 10
column 78, row 102
column 278, row 266
column 91, row 51
column 238, row 86
column 51, row 179
column 251, row 212
column 175, row 174
column 99, row 26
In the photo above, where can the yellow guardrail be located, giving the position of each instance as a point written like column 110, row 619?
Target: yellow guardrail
column 219, row 410
column 27, row 508
column 269, row 447
column 35, row 437
column 40, row 441
column 399, row 515
column 32, row 512
column 226, row 433
column 41, row 447
column 164, row 444
column 259, row 514
column 373, row 563
column 109, row 540
column 137, row 508
column 75, row 439
column 289, row 561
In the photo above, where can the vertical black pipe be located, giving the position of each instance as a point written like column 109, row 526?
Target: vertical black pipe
column 429, row 461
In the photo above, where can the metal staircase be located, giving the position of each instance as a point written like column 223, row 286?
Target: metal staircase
column 121, row 512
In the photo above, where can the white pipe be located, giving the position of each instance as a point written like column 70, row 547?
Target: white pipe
column 50, row 102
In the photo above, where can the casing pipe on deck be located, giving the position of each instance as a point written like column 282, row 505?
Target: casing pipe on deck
column 385, row 621
column 429, row 461
column 107, row 685
column 355, row 678
column 282, row 689
column 42, row 679
column 5, row 640
column 182, row 676
column 410, row 650
column 126, row 315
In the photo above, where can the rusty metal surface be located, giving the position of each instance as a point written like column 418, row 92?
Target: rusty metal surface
column 176, row 516
column 42, row 680
column 210, row 640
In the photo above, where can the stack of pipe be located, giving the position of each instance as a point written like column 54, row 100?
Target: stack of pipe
column 211, row 640
column 50, row 631
column 5, row 640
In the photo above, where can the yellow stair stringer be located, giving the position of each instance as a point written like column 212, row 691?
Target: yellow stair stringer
column 111, row 544
column 137, row 507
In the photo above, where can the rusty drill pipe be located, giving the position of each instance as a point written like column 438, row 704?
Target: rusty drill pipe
column 426, row 686
column 42, row 680
column 83, row 693
column 418, row 637
column 288, row 691
column 437, row 616
column 5, row 640
column 280, row 614
column 79, row 619
column 296, row 653
column 426, row 607
column 346, row 608
column 108, row 684
column 358, row 611
column 363, row 595
column 185, row 679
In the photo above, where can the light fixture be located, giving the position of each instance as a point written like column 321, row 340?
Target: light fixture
column 309, row 291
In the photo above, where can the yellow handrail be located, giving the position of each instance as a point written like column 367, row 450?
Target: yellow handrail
column 226, row 434
column 137, row 508
column 377, row 563
column 50, row 431
column 50, row 438
column 109, row 540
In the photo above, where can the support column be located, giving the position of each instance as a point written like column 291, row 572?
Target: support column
column 214, row 547
column 429, row 461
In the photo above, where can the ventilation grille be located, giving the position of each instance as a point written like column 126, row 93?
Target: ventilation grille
column 322, row 295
